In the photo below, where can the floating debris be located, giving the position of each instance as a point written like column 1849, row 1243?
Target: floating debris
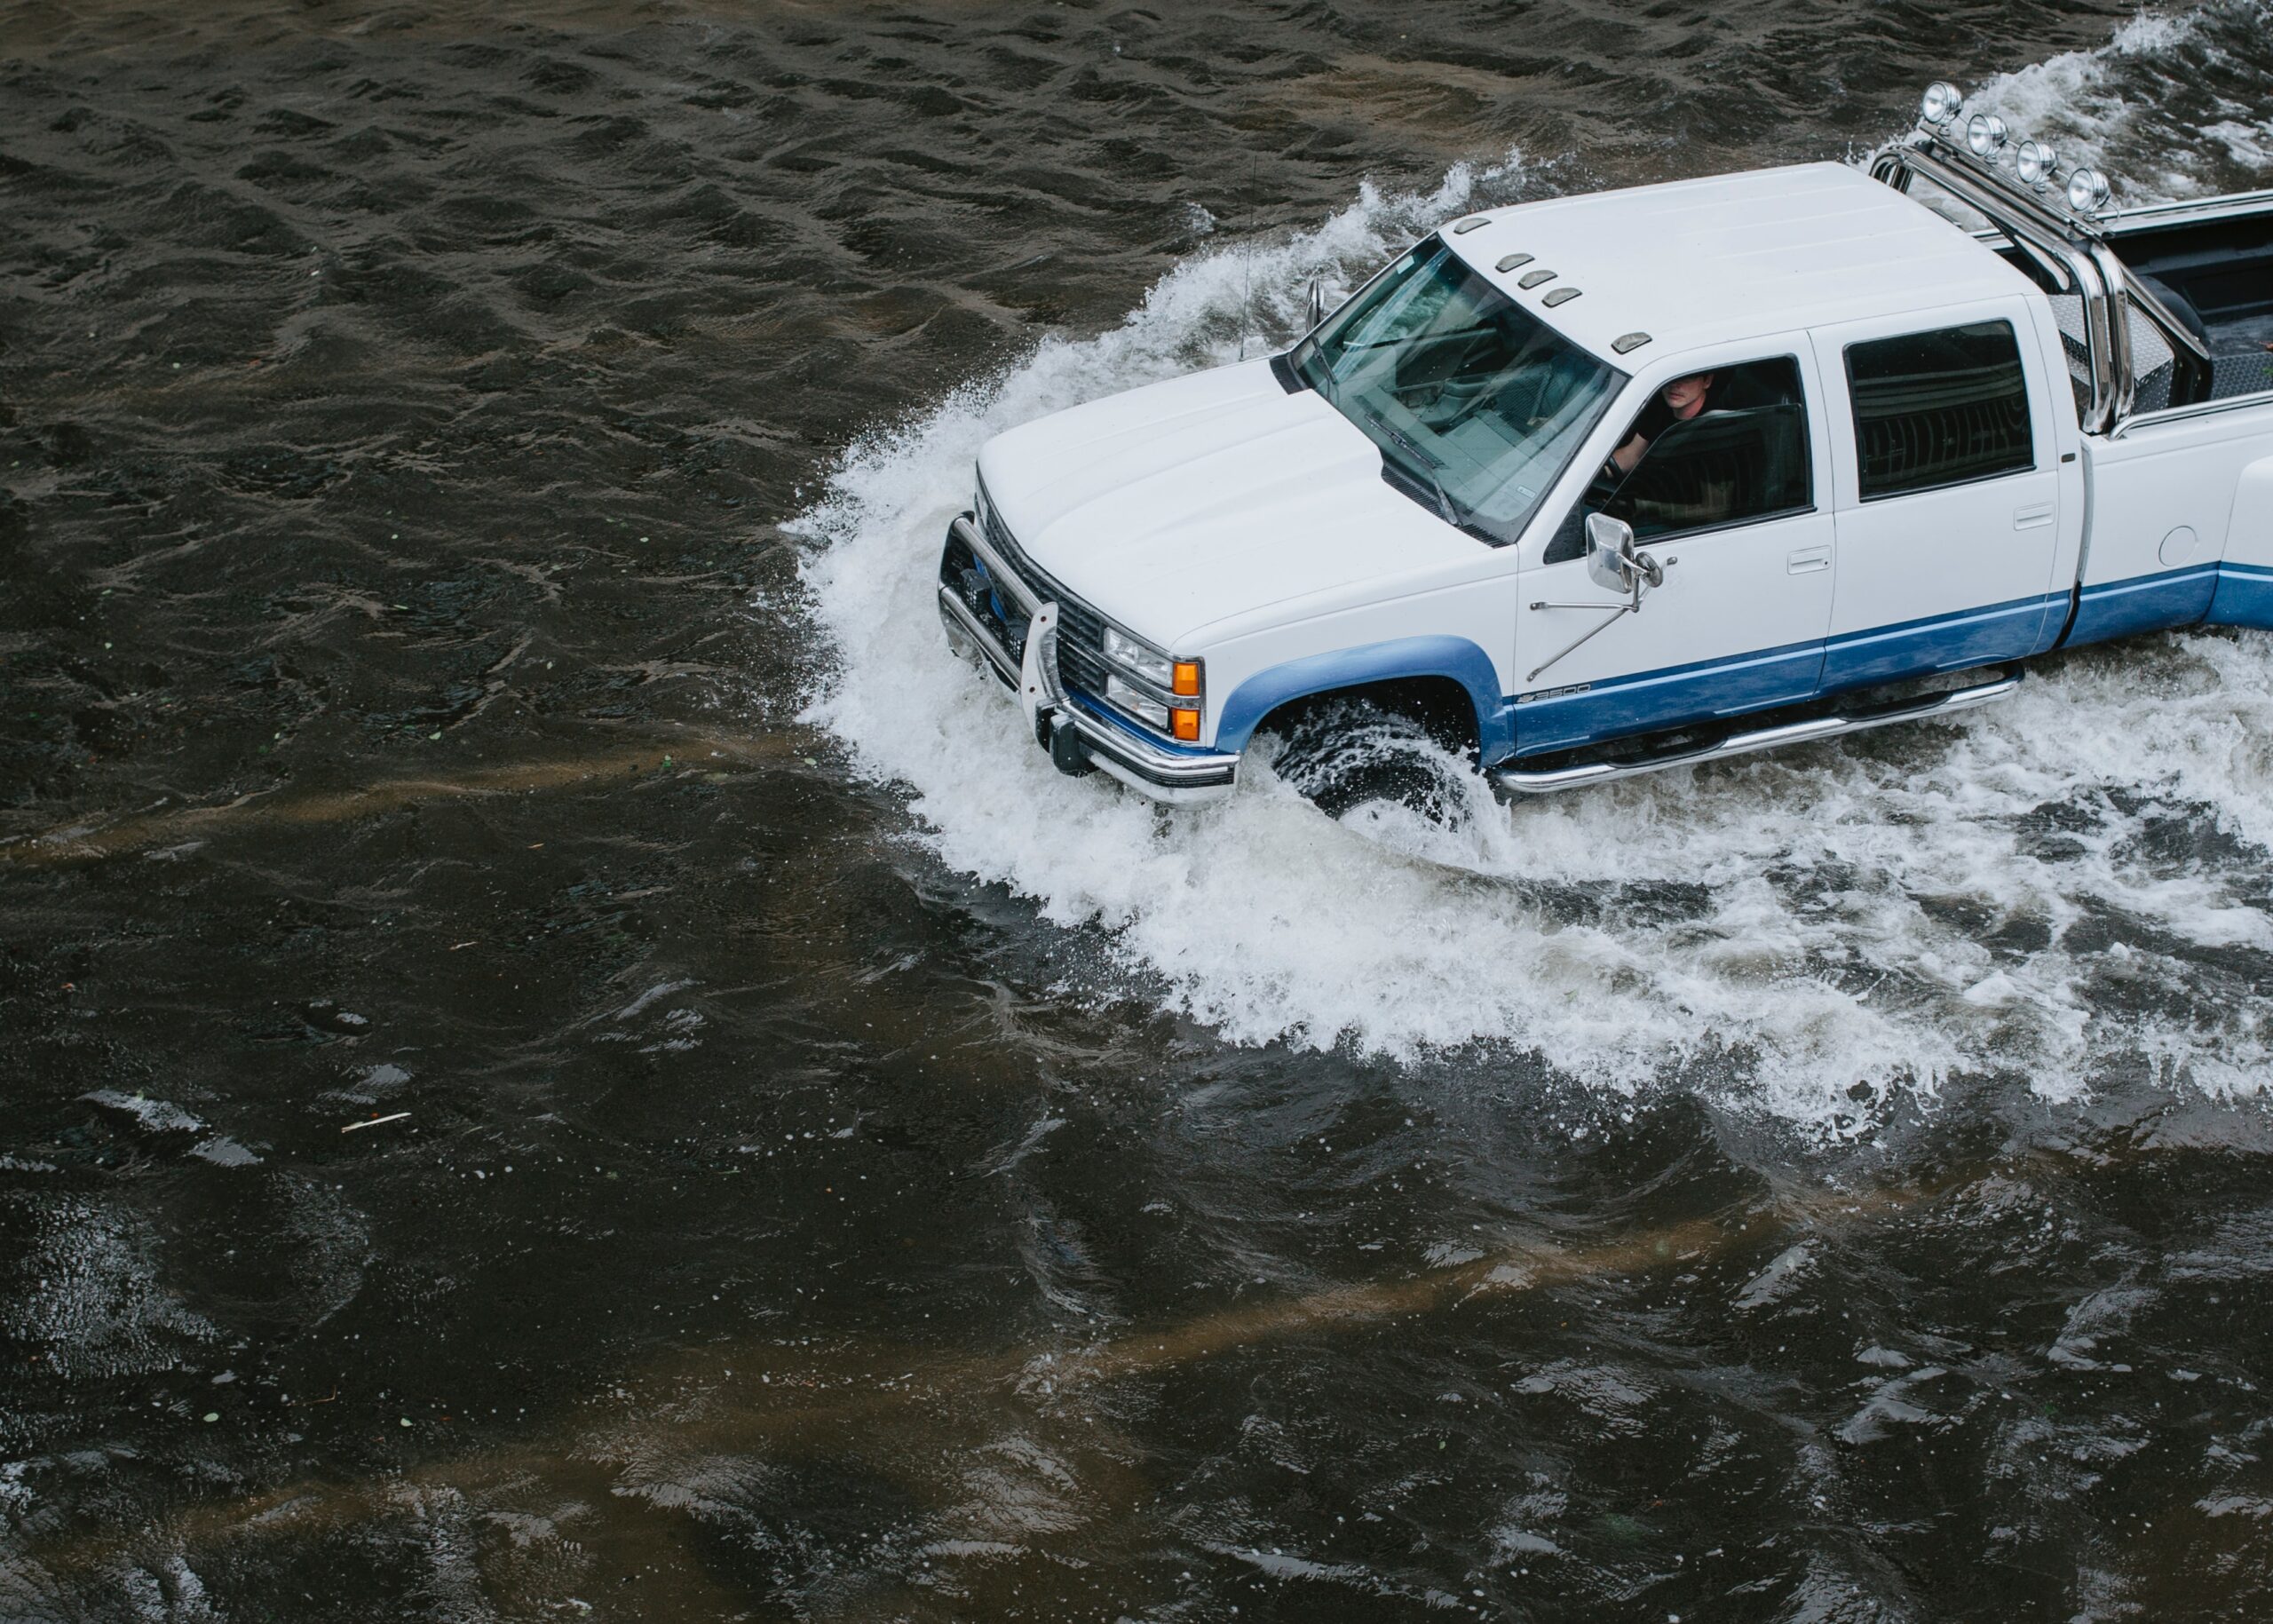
column 376, row 1121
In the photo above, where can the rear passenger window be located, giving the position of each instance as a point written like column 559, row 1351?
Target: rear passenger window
column 1938, row 409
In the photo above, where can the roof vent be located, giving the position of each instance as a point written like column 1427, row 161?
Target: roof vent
column 1625, row 342
column 1470, row 224
column 1561, row 296
column 1514, row 260
column 1531, row 279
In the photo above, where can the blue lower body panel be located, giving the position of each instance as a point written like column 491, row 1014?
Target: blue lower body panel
column 2244, row 597
column 1618, row 705
column 1940, row 643
column 2222, row 594
column 2148, row 603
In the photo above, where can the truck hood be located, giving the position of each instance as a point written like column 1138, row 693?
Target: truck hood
column 1179, row 504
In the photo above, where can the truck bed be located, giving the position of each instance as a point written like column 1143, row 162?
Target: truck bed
column 2217, row 257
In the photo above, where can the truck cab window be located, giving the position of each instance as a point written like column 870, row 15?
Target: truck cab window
column 1935, row 409
column 1740, row 458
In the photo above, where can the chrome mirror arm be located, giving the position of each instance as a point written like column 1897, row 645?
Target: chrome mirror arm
column 1631, row 606
column 1639, row 569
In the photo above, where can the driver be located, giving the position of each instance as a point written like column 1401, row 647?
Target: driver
column 1678, row 401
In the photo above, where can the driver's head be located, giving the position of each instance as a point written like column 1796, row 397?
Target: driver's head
column 1685, row 395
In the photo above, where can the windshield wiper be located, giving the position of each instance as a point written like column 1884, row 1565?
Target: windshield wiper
column 1426, row 463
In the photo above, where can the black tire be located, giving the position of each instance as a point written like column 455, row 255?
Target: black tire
column 1341, row 751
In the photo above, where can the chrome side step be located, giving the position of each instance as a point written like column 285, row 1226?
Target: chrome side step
column 1760, row 739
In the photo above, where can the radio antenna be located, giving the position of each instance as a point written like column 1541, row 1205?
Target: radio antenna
column 1246, row 292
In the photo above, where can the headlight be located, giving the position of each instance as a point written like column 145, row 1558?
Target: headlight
column 1984, row 133
column 1168, row 693
column 1141, row 659
column 1940, row 103
column 1133, row 699
column 2087, row 191
column 2035, row 163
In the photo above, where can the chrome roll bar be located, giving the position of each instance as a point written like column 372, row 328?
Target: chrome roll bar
column 2071, row 241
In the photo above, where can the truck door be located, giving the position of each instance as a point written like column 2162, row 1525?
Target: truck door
column 1734, row 503
column 1948, row 499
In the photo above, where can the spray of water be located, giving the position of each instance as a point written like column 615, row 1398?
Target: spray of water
column 2172, row 106
column 2069, row 887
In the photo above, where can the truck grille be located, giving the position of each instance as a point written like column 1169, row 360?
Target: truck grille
column 1081, row 630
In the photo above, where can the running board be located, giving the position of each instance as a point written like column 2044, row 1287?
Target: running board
column 1760, row 739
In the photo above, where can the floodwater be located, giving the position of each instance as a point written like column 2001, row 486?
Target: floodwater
column 468, row 477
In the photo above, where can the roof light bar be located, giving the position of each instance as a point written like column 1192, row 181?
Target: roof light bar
column 1984, row 141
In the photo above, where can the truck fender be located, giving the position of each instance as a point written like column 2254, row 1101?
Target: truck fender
column 1456, row 658
column 2244, row 595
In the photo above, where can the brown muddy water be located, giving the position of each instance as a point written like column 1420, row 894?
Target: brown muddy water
column 467, row 478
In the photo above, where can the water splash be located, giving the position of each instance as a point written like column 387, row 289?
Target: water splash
column 2069, row 885
column 2171, row 106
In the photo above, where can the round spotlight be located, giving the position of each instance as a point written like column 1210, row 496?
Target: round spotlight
column 1941, row 102
column 1984, row 133
column 2036, row 163
column 2087, row 191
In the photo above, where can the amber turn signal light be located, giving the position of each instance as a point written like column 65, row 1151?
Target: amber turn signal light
column 1186, row 725
column 1186, row 682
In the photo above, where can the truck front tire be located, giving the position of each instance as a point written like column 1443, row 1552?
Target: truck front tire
column 1405, row 741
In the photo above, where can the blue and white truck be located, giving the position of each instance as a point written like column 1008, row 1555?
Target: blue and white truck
column 1643, row 478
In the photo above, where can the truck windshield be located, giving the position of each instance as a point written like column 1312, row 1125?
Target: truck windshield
column 1477, row 405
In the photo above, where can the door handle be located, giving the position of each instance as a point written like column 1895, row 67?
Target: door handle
column 1806, row 560
column 2032, row 518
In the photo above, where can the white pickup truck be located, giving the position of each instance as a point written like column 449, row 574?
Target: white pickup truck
column 1623, row 481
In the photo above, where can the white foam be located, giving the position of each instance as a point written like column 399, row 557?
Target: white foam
column 2248, row 145
column 2073, row 99
column 1780, row 930
column 157, row 1115
column 2126, row 107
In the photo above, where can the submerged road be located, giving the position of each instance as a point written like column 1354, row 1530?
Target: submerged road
column 559, row 1058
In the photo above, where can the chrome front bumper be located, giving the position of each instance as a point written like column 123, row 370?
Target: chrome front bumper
column 1065, row 724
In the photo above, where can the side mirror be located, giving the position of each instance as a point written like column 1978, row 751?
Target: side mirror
column 1318, row 300
column 1609, row 551
column 1612, row 562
